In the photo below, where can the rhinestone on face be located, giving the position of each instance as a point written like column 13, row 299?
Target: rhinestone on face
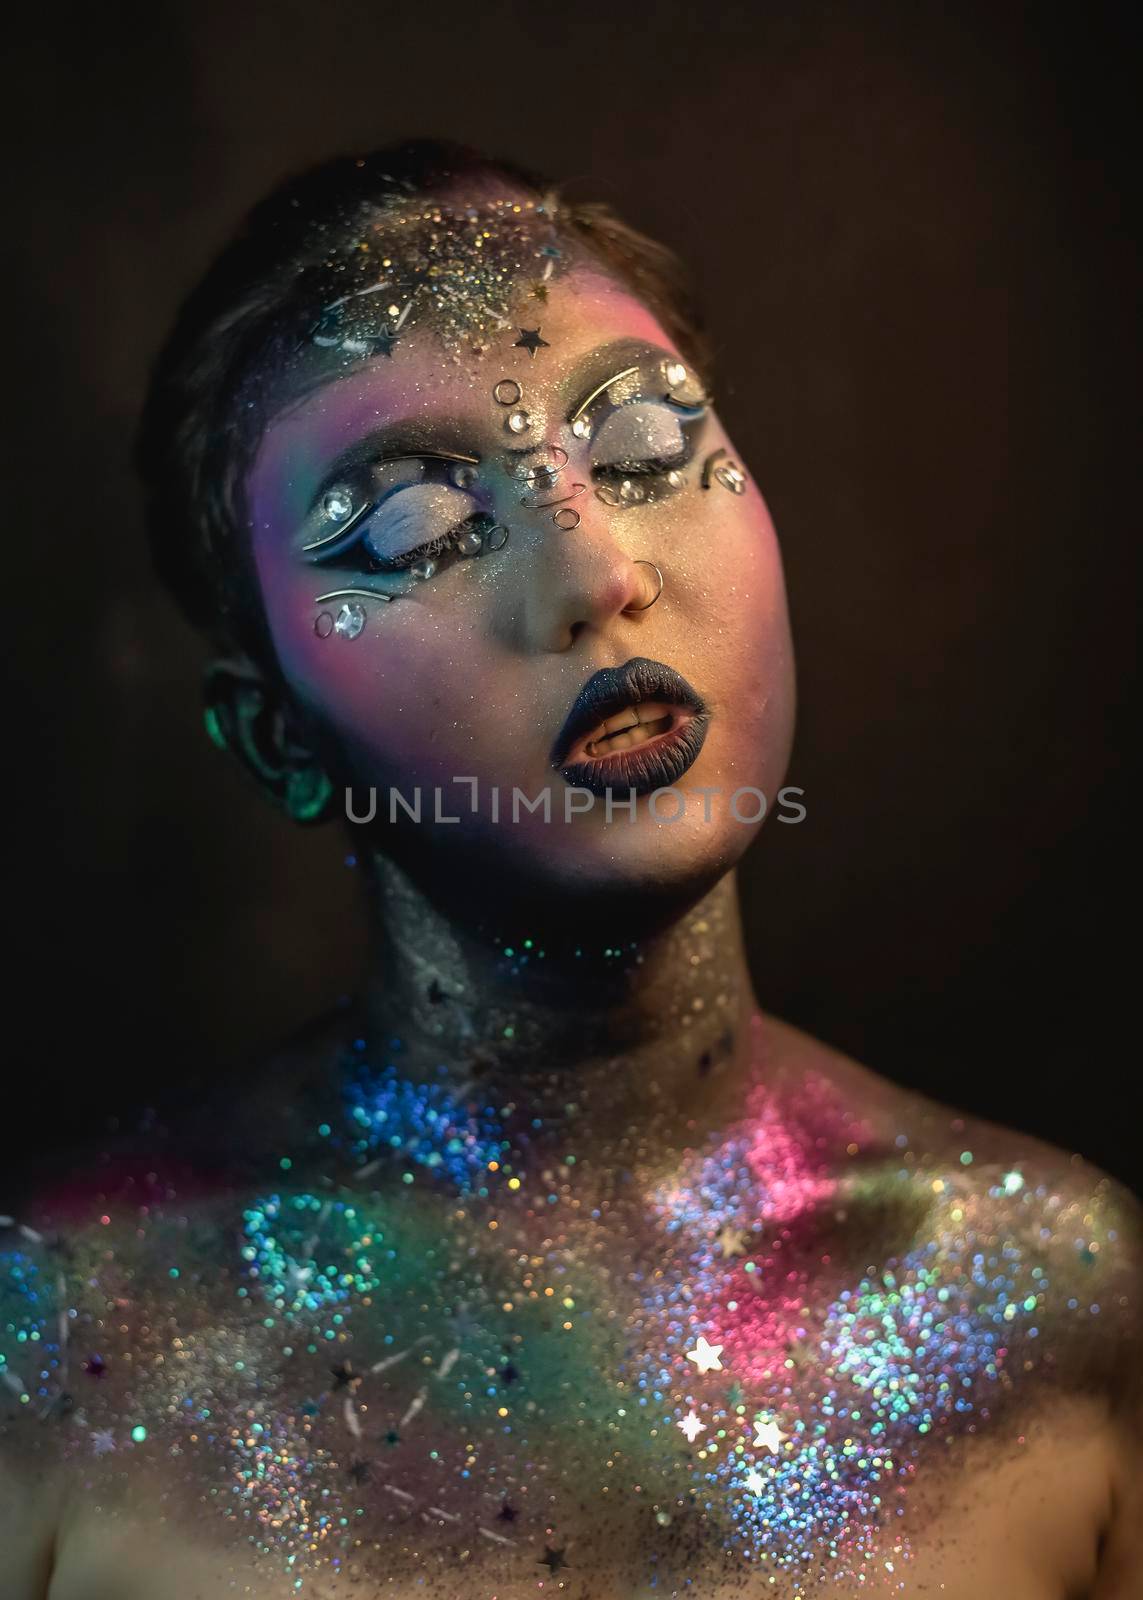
column 336, row 504
column 731, row 477
column 496, row 537
column 581, row 427
column 608, row 495
column 470, row 542
column 631, row 493
column 462, row 475
column 323, row 624
column 519, row 422
column 423, row 569
column 675, row 373
column 507, row 392
column 350, row 620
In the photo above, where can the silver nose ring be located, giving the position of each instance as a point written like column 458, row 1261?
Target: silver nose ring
column 647, row 604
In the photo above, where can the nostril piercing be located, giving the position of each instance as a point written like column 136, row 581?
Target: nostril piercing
column 647, row 604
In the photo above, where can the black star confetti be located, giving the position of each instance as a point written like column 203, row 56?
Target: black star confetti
column 382, row 342
column 358, row 1471
column 530, row 341
column 552, row 1559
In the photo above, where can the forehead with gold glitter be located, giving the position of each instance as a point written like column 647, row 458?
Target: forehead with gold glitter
column 456, row 269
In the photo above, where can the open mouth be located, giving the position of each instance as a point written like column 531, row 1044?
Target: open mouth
column 636, row 727
column 629, row 729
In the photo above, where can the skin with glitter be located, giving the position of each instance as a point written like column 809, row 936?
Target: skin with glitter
column 551, row 1263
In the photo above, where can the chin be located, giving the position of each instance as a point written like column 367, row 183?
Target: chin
column 598, row 875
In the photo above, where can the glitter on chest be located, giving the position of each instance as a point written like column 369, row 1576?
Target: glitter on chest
column 466, row 1335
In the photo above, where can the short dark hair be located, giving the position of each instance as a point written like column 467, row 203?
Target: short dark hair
column 195, row 441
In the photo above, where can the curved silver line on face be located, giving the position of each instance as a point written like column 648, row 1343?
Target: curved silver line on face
column 352, row 594
column 330, row 539
column 600, row 388
column 708, row 465
column 542, row 505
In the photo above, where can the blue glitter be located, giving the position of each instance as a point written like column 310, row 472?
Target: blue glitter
column 429, row 1124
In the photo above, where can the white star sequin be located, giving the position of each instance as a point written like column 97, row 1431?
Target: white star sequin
column 755, row 1482
column 705, row 1356
column 103, row 1441
column 768, row 1435
column 692, row 1427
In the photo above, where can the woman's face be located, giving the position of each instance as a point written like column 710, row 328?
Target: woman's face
column 593, row 455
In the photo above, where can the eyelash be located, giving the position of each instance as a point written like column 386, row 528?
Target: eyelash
column 356, row 558
column 650, row 466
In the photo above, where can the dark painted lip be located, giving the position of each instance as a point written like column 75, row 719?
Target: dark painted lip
column 656, row 764
column 612, row 689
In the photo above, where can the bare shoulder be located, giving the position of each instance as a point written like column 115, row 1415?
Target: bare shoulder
column 114, row 1272
column 1056, row 1246
column 1084, row 1226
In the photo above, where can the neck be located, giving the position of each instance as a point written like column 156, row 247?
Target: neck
column 557, row 1018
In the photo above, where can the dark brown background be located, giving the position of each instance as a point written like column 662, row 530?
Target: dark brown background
column 912, row 227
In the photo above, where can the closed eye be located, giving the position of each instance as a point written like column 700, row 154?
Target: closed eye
column 390, row 517
column 413, row 524
column 640, row 436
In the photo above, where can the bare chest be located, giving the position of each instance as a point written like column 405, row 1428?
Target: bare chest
column 318, row 1391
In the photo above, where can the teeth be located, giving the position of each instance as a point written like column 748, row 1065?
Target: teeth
column 632, row 726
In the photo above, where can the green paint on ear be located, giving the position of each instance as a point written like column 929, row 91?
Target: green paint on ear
column 308, row 792
column 213, row 726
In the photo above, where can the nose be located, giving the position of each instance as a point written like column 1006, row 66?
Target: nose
column 575, row 580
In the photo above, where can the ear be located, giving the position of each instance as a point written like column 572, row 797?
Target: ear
column 254, row 719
